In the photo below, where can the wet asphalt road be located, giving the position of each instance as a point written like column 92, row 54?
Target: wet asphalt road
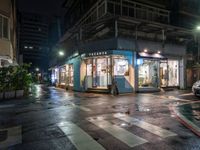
column 54, row 119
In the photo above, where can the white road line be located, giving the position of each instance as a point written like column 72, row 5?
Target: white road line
column 121, row 134
column 71, row 106
column 13, row 137
column 80, row 139
column 166, row 97
column 146, row 126
column 81, row 107
column 186, row 94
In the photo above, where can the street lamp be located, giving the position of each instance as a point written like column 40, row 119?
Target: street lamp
column 37, row 69
column 198, row 27
column 61, row 53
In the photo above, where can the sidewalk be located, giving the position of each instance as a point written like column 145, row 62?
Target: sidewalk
column 189, row 115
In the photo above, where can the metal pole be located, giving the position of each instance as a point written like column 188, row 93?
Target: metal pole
column 198, row 49
column 163, row 38
column 116, row 28
column 135, row 66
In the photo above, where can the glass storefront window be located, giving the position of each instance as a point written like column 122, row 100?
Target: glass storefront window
column 63, row 75
column 71, row 75
column 148, row 73
column 101, row 78
column 89, row 69
column 173, row 69
column 120, row 67
column 98, row 72
column 164, row 73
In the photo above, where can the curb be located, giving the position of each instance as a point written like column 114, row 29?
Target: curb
column 195, row 129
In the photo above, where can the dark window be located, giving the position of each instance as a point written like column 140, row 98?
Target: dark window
column 117, row 9
column 1, row 26
column 111, row 8
column 5, row 28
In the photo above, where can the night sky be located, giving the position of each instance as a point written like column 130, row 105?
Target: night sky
column 48, row 7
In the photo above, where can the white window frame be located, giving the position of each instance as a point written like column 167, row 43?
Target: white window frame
column 1, row 36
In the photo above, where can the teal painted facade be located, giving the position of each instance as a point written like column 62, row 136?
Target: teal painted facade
column 122, row 83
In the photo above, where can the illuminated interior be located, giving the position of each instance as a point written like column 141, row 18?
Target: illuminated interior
column 99, row 70
column 150, row 76
column 148, row 73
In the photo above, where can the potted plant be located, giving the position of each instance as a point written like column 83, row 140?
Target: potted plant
column 9, row 91
column 8, row 88
column 18, row 76
column 1, row 92
column 1, row 83
column 22, row 80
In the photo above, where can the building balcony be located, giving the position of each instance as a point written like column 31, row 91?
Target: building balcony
column 104, row 9
column 126, row 8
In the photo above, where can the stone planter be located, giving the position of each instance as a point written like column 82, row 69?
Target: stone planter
column 19, row 93
column 1, row 95
column 9, row 94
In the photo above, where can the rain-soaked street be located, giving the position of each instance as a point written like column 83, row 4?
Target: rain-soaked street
column 53, row 118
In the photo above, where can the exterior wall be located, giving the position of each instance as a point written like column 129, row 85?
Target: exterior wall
column 76, row 65
column 8, row 46
column 169, row 49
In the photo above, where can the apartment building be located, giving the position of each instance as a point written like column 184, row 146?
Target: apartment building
column 133, row 44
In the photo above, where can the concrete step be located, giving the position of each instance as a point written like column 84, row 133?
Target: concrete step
column 96, row 90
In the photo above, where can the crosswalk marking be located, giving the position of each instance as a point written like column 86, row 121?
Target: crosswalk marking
column 13, row 137
column 80, row 107
column 80, row 139
column 121, row 134
column 169, row 97
column 71, row 106
column 147, row 126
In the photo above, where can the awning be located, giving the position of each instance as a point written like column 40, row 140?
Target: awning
column 168, row 49
column 151, row 55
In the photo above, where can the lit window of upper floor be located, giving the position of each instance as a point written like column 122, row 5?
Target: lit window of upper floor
column 4, row 27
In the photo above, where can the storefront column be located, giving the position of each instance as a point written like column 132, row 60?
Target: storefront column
column 135, row 66
column 158, row 75
column 182, row 73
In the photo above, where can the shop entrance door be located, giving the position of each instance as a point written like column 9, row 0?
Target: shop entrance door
column 98, row 72
column 102, row 79
column 71, row 75
column 164, row 73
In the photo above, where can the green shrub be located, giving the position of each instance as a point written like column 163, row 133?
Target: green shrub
column 15, row 78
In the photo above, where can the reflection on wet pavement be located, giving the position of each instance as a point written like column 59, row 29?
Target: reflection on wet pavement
column 53, row 118
column 191, row 112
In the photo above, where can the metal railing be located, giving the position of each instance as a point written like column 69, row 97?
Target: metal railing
column 96, row 12
column 126, row 8
column 139, row 11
